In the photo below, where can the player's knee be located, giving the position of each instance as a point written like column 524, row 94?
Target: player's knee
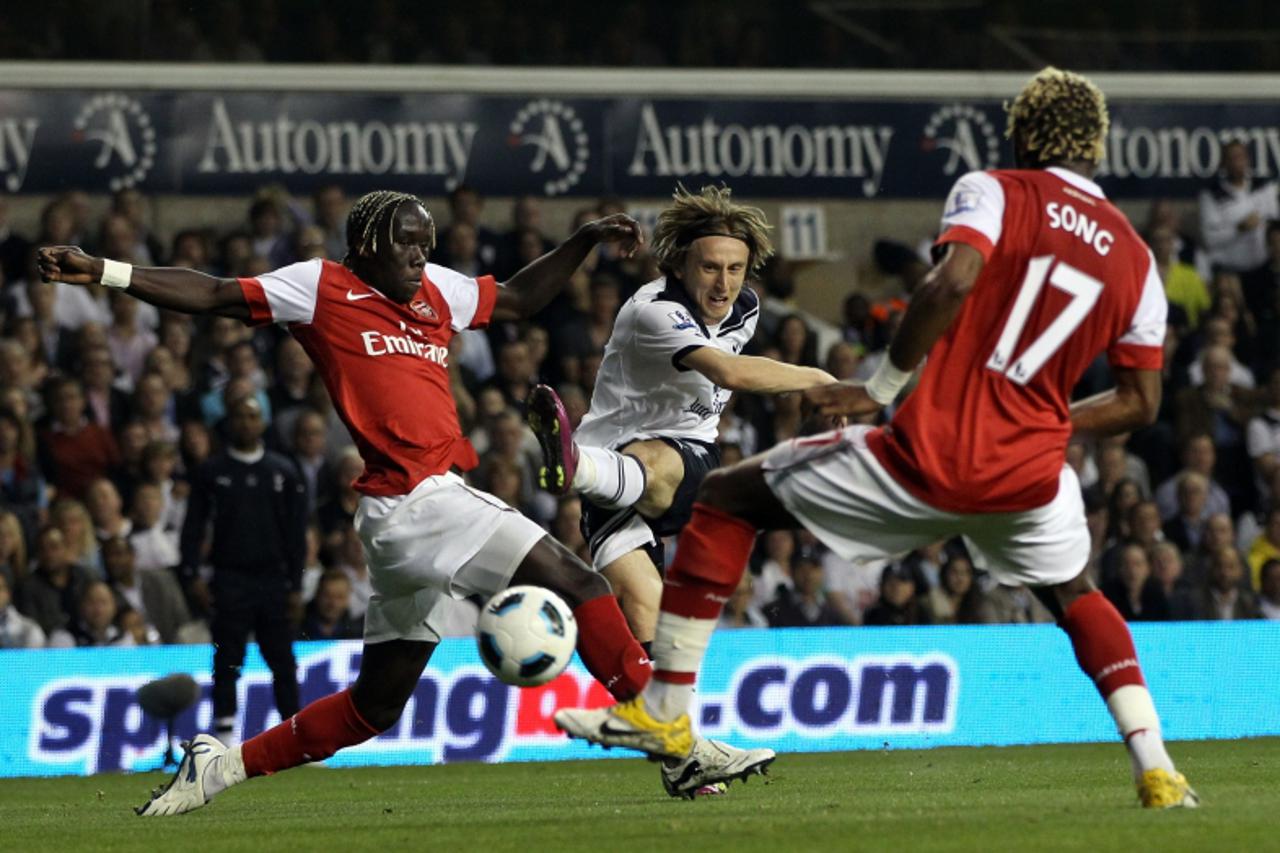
column 379, row 709
column 717, row 490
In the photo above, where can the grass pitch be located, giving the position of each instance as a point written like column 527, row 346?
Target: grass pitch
column 1020, row 798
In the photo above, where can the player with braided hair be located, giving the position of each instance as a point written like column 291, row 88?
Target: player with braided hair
column 378, row 327
column 1038, row 275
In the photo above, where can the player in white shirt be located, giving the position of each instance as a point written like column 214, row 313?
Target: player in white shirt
column 674, row 357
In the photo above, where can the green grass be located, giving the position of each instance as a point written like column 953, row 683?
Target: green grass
column 1021, row 798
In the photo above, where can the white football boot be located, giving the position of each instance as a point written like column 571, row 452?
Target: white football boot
column 186, row 790
column 710, row 764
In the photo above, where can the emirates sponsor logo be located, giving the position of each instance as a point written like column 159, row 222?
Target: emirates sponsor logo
column 413, row 342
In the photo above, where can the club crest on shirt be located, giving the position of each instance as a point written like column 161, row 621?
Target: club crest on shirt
column 681, row 320
column 962, row 201
column 422, row 309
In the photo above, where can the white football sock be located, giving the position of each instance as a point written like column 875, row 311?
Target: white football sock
column 679, row 646
column 224, row 771
column 1135, row 715
column 607, row 478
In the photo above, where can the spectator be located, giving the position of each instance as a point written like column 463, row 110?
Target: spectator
column 1199, row 456
column 337, row 513
column 328, row 615
column 1135, row 592
column 1166, row 568
column 127, row 341
column 465, row 207
column 155, row 547
column 957, row 600
column 1183, row 286
column 1222, row 595
column 21, row 486
column 515, row 376
column 1269, row 599
column 806, row 605
column 74, row 451
column 51, row 594
column 16, row 630
column 108, row 405
column 291, row 392
column 775, row 577
column 255, row 502
column 1263, row 439
column 842, row 360
column 1265, row 548
column 797, row 344
column 741, row 612
column 13, row 550
column 106, row 510
column 1218, row 332
column 898, row 604
column 351, row 562
column 71, row 517
column 154, row 595
column 311, row 455
column 329, row 209
column 159, row 468
column 1234, row 210
column 95, row 623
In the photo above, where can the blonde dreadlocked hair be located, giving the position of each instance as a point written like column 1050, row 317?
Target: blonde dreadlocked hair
column 1059, row 116
column 371, row 216
column 709, row 213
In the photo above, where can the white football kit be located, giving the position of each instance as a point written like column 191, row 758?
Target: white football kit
column 643, row 392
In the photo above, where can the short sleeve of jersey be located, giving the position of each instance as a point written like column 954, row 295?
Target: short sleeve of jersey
column 287, row 295
column 471, row 300
column 1141, row 347
column 667, row 330
column 974, row 213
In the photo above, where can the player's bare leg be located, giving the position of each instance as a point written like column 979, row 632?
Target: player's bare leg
column 638, row 587
column 1104, row 649
column 389, row 673
column 733, row 503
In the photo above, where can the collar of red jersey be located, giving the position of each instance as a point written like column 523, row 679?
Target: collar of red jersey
column 1080, row 182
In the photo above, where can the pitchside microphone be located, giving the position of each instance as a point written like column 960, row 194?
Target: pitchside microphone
column 166, row 698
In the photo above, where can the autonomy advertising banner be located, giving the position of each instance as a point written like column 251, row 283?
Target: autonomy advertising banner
column 73, row 711
column 200, row 142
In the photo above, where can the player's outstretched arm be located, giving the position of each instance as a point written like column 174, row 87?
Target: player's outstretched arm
column 1133, row 403
column 530, row 289
column 173, row 288
column 753, row 373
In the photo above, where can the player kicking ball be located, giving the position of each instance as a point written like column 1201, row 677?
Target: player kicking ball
column 378, row 327
column 648, row 441
column 1038, row 275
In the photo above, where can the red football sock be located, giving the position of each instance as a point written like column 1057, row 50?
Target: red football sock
column 608, row 648
column 313, row 734
column 710, row 558
column 1102, row 642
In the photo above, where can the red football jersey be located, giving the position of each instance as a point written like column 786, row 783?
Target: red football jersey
column 1066, row 278
column 386, row 365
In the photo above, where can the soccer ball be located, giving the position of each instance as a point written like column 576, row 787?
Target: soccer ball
column 526, row 635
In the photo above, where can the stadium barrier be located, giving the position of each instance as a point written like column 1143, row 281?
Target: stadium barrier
column 74, row 711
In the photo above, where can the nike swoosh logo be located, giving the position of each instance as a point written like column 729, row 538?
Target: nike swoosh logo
column 606, row 729
column 352, row 296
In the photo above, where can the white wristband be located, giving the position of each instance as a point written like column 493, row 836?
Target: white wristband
column 886, row 382
column 116, row 274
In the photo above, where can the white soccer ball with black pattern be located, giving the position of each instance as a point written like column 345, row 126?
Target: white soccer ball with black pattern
column 526, row 635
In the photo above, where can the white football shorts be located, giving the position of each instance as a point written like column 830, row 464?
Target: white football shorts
column 836, row 487
column 443, row 539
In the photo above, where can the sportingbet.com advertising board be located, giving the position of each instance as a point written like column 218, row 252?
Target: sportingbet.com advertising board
column 74, row 711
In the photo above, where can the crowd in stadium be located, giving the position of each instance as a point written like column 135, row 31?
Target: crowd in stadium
column 989, row 34
column 108, row 408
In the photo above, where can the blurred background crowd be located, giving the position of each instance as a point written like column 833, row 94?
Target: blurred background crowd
column 109, row 408
column 1135, row 35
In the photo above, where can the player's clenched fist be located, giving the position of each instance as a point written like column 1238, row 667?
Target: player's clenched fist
column 618, row 228
column 68, row 264
column 841, row 398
